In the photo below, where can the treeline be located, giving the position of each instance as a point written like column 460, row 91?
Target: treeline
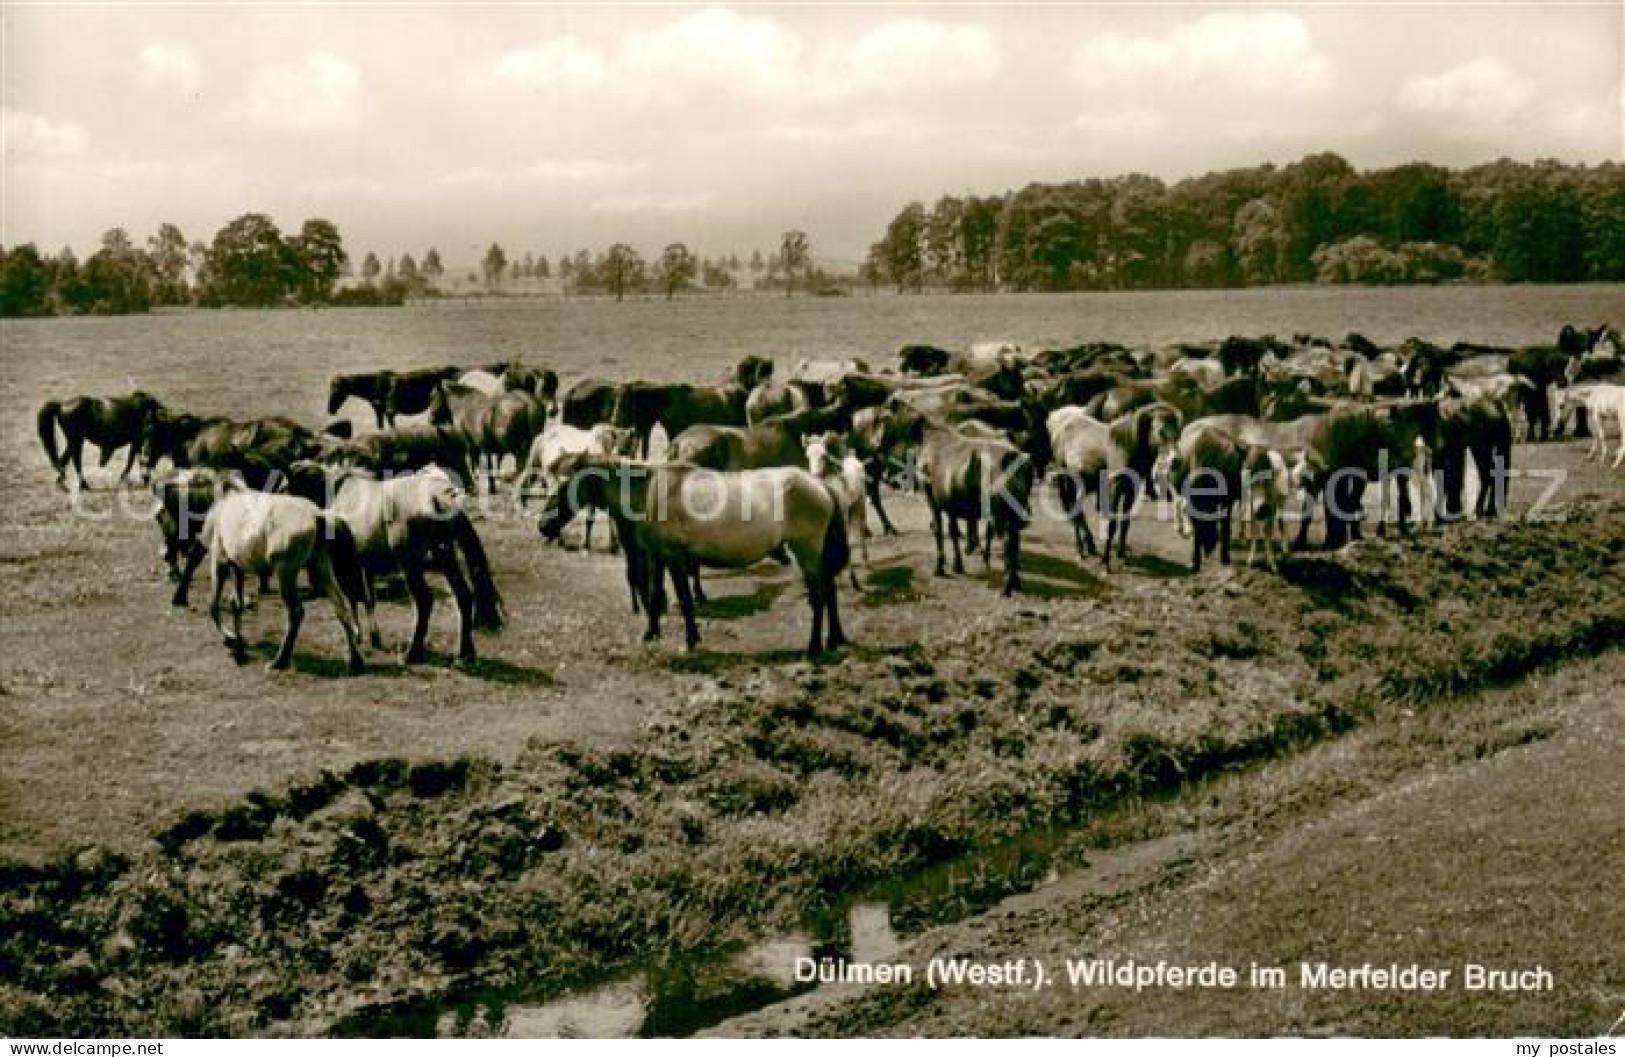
column 1318, row 220
column 249, row 263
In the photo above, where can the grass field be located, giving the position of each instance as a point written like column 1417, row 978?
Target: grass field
column 579, row 802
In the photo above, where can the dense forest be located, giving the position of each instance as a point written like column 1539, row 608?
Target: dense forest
column 1318, row 220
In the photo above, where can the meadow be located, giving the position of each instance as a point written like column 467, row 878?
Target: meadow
column 638, row 800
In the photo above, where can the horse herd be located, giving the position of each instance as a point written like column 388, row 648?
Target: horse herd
column 759, row 466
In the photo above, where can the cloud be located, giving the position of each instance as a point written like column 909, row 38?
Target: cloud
column 564, row 62
column 321, row 93
column 911, row 55
column 1123, row 124
column 1259, row 51
column 1485, row 91
column 170, row 68
column 653, row 203
column 717, row 48
column 891, row 128
column 34, row 137
column 572, row 170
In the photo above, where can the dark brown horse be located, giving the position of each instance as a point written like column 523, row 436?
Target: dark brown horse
column 372, row 387
column 975, row 479
column 259, row 448
column 1110, row 460
column 504, row 424
column 108, row 423
column 589, row 402
column 406, row 449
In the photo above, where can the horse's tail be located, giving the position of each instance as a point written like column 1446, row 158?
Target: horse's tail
column 837, row 552
column 488, row 612
column 49, row 414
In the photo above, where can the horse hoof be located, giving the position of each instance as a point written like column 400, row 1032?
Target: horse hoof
column 355, row 667
column 417, row 656
column 179, row 601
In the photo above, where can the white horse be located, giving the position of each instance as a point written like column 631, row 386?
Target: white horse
column 256, row 532
column 843, row 474
column 559, row 441
column 1601, row 400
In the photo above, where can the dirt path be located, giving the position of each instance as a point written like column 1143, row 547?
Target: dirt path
column 1509, row 861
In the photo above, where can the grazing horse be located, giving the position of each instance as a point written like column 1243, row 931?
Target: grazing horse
column 405, row 449
column 1354, row 446
column 255, row 532
column 372, row 387
column 922, row 361
column 843, row 474
column 1109, row 460
column 108, row 423
column 185, row 498
column 1205, row 472
column 505, row 423
column 260, row 449
column 411, row 524
column 674, row 516
column 975, row 478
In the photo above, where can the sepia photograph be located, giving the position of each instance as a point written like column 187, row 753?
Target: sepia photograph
column 527, row 520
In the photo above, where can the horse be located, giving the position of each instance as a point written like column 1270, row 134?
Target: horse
column 184, row 497
column 674, row 516
column 109, row 423
column 857, row 389
column 827, row 372
column 868, row 442
column 1601, row 400
column 505, row 423
column 558, row 441
column 1352, row 446
column 843, row 474
column 1204, row 472
column 771, row 398
column 1480, row 428
column 676, row 406
column 922, row 361
column 411, row 391
column 772, row 442
column 372, row 387
column 405, row 449
column 411, row 524
column 260, row 449
column 972, row 478
column 1545, row 368
column 589, row 401
column 1109, row 460
column 255, row 532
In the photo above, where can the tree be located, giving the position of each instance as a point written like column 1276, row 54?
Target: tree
column 944, row 250
column 902, row 250
column 117, row 240
column 542, row 271
column 495, row 263
column 1259, row 241
column 795, row 254
column 756, row 262
column 620, row 269
column 371, row 268
column 25, row 282
column 432, row 268
column 318, row 260
column 248, row 263
column 675, row 270
column 167, row 251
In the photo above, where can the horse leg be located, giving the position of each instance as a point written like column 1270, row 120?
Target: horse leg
column 129, row 461
column 815, row 598
column 75, row 457
column 465, row 602
column 836, row 638
column 218, row 581
column 1224, row 537
column 238, row 647
column 288, row 579
column 681, row 571
column 654, row 595
column 699, row 588
column 936, row 534
column 1012, row 558
column 871, row 485
column 953, row 536
column 592, row 515
column 422, row 606
column 194, row 556
column 1123, row 516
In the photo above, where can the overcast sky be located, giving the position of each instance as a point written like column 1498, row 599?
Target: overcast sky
column 553, row 128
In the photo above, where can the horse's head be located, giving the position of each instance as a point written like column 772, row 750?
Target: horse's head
column 338, row 390
column 309, row 479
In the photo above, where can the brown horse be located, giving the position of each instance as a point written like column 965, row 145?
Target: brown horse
column 975, row 478
column 108, row 423
column 504, row 424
